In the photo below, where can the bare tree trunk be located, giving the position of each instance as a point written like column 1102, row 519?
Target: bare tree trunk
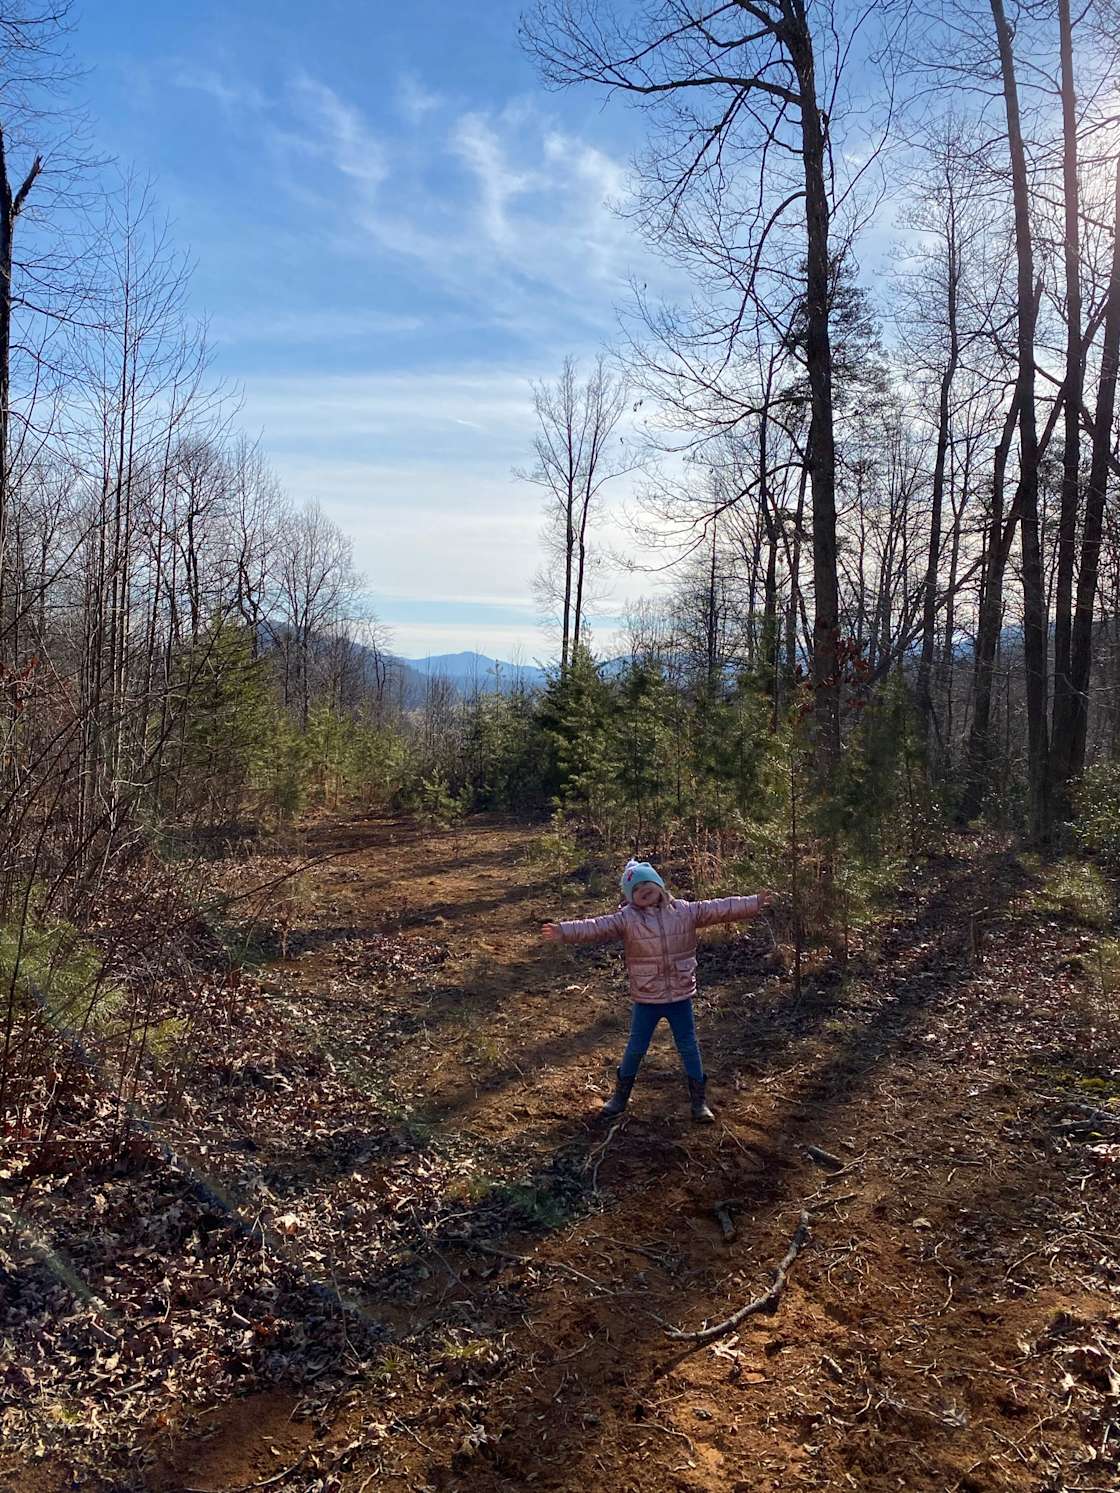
column 1081, row 652
column 998, row 547
column 1034, row 605
column 796, row 609
column 574, row 424
column 569, row 545
column 946, row 671
column 768, row 652
column 929, row 606
column 1061, row 742
column 822, row 449
column 11, row 204
column 711, row 629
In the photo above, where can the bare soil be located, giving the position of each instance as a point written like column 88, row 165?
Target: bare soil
column 396, row 1246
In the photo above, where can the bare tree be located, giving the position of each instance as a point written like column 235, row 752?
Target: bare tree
column 577, row 453
column 316, row 595
column 738, row 82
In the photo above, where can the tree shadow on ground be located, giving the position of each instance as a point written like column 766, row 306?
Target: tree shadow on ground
column 920, row 983
column 558, row 1186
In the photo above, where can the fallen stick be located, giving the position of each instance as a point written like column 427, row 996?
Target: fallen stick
column 835, row 1167
column 824, row 1158
column 1091, row 1120
column 832, row 1202
column 504, row 1254
column 726, row 1222
column 265, row 1482
column 597, row 1153
column 764, row 1303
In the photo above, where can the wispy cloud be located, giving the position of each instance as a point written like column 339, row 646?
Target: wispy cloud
column 499, row 182
column 414, row 101
column 417, row 468
column 499, row 207
column 310, row 326
column 354, row 149
column 409, row 412
column 490, row 233
column 235, row 93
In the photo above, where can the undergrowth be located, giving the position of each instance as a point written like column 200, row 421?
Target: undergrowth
column 1077, row 890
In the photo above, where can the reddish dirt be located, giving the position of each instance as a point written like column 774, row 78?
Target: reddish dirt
column 950, row 1324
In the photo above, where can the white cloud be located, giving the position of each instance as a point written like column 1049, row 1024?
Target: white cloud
column 509, row 213
column 415, row 101
column 235, row 94
column 310, row 325
column 508, row 217
column 404, row 410
column 352, row 147
column 499, row 182
column 417, row 469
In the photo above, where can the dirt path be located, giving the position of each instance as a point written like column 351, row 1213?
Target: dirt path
column 951, row 1324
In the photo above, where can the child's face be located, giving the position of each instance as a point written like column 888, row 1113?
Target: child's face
column 647, row 894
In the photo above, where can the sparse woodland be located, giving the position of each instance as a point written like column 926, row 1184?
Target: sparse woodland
column 299, row 1181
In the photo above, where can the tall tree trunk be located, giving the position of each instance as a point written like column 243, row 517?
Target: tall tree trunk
column 711, row 630
column 998, row 547
column 566, row 621
column 581, row 568
column 946, row 680
column 5, row 394
column 1034, row 606
column 1081, row 651
column 11, row 204
column 796, row 609
column 768, row 660
column 818, row 354
column 929, row 600
column 1071, row 457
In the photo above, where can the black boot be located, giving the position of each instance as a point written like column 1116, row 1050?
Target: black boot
column 700, row 1110
column 619, row 1099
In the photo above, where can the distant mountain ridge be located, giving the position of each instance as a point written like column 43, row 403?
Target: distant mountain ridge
column 476, row 671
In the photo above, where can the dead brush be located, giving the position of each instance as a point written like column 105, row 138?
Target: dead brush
column 713, row 856
column 705, row 862
column 808, row 928
column 288, row 907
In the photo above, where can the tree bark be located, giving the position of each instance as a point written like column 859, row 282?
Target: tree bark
column 1034, row 604
column 822, row 449
column 929, row 600
column 1081, row 650
column 998, row 547
column 1061, row 744
column 11, row 204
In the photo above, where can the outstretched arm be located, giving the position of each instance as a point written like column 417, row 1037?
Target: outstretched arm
column 585, row 930
column 730, row 909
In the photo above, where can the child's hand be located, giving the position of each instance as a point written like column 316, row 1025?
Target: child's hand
column 766, row 898
column 551, row 931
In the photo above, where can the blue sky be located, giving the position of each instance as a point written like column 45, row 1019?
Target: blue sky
column 394, row 227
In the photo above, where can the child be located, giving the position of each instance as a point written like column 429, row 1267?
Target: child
column 659, row 935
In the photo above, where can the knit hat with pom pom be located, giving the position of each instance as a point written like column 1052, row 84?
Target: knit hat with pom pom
column 634, row 873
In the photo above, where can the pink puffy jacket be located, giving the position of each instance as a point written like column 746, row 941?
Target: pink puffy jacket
column 660, row 941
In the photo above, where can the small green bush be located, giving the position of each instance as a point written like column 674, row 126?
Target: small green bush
column 1096, row 807
column 55, row 969
column 1069, row 888
column 556, row 850
column 430, row 799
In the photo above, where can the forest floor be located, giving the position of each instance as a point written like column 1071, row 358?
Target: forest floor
column 382, row 1238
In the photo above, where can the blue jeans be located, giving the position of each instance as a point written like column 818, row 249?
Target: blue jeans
column 643, row 1023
